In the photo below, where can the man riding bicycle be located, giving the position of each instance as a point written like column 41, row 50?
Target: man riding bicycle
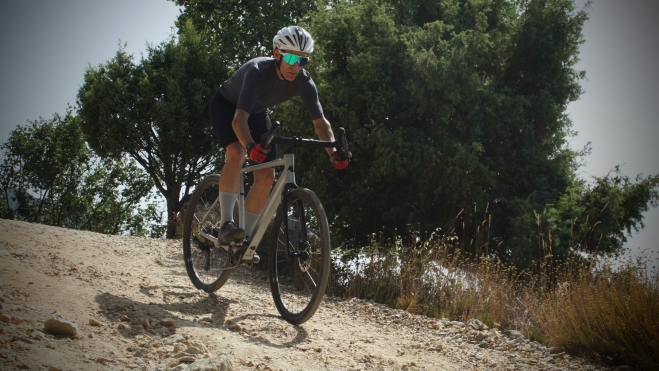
column 239, row 118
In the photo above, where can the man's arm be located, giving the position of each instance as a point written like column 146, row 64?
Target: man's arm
column 240, row 127
column 324, row 131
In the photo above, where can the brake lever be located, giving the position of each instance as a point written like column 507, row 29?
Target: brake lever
column 268, row 137
column 344, row 151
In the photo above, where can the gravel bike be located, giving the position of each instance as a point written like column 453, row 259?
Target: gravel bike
column 299, row 242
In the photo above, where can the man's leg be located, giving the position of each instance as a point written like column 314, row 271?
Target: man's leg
column 257, row 197
column 230, row 176
column 229, row 190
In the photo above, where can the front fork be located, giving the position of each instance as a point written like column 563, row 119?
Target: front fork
column 302, row 252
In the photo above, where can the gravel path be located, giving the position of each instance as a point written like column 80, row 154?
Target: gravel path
column 130, row 305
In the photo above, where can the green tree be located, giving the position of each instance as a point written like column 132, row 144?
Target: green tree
column 598, row 218
column 242, row 29
column 156, row 112
column 50, row 176
column 450, row 105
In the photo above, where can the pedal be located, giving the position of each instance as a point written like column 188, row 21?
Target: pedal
column 237, row 248
column 255, row 260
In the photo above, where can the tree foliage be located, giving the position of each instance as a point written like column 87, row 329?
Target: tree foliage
column 598, row 218
column 156, row 112
column 50, row 176
column 242, row 29
column 454, row 105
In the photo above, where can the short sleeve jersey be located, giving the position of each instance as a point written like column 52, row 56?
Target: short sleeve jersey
column 256, row 87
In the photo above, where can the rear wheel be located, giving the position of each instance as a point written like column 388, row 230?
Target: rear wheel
column 207, row 265
column 298, row 280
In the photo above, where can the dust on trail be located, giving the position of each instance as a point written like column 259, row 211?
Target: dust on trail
column 135, row 308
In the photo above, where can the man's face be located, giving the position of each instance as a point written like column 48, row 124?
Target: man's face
column 289, row 72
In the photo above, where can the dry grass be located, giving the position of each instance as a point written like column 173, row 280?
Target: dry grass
column 434, row 278
column 613, row 316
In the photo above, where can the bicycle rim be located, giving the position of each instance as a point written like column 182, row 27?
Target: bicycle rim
column 298, row 283
column 206, row 264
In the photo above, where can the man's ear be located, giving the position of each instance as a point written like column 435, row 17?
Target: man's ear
column 276, row 54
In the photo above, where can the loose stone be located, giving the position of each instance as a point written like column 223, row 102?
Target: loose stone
column 59, row 326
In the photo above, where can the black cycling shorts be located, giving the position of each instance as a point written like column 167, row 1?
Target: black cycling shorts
column 221, row 115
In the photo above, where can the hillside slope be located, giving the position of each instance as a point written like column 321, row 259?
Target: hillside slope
column 135, row 308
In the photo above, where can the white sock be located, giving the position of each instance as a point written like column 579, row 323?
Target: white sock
column 227, row 203
column 250, row 221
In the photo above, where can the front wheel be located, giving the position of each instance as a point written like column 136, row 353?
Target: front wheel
column 207, row 265
column 299, row 259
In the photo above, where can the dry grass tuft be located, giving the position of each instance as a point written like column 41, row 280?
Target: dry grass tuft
column 610, row 314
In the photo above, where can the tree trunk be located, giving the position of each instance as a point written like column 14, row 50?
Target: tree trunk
column 174, row 223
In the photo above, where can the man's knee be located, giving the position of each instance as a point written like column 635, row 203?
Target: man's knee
column 235, row 153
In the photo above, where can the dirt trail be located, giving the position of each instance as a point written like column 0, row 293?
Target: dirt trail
column 135, row 308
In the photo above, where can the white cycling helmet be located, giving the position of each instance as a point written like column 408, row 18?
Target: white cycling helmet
column 293, row 38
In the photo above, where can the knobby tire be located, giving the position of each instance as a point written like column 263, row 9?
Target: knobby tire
column 298, row 283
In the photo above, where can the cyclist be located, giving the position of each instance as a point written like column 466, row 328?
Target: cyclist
column 238, row 117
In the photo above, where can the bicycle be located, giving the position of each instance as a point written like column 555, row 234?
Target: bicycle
column 299, row 243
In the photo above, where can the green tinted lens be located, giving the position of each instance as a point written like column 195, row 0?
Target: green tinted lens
column 292, row 59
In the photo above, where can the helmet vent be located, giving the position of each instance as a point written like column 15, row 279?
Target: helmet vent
column 289, row 40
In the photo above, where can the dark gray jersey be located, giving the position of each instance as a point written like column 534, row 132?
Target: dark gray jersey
column 256, row 87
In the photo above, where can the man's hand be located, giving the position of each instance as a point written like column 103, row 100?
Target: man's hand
column 339, row 162
column 257, row 153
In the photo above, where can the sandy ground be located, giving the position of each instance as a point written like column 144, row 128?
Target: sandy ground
column 135, row 308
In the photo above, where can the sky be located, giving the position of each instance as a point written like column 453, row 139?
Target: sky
column 47, row 44
column 618, row 113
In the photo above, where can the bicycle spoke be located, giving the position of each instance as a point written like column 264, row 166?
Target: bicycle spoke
column 314, row 271
column 312, row 280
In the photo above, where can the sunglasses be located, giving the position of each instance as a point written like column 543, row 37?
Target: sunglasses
column 292, row 59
